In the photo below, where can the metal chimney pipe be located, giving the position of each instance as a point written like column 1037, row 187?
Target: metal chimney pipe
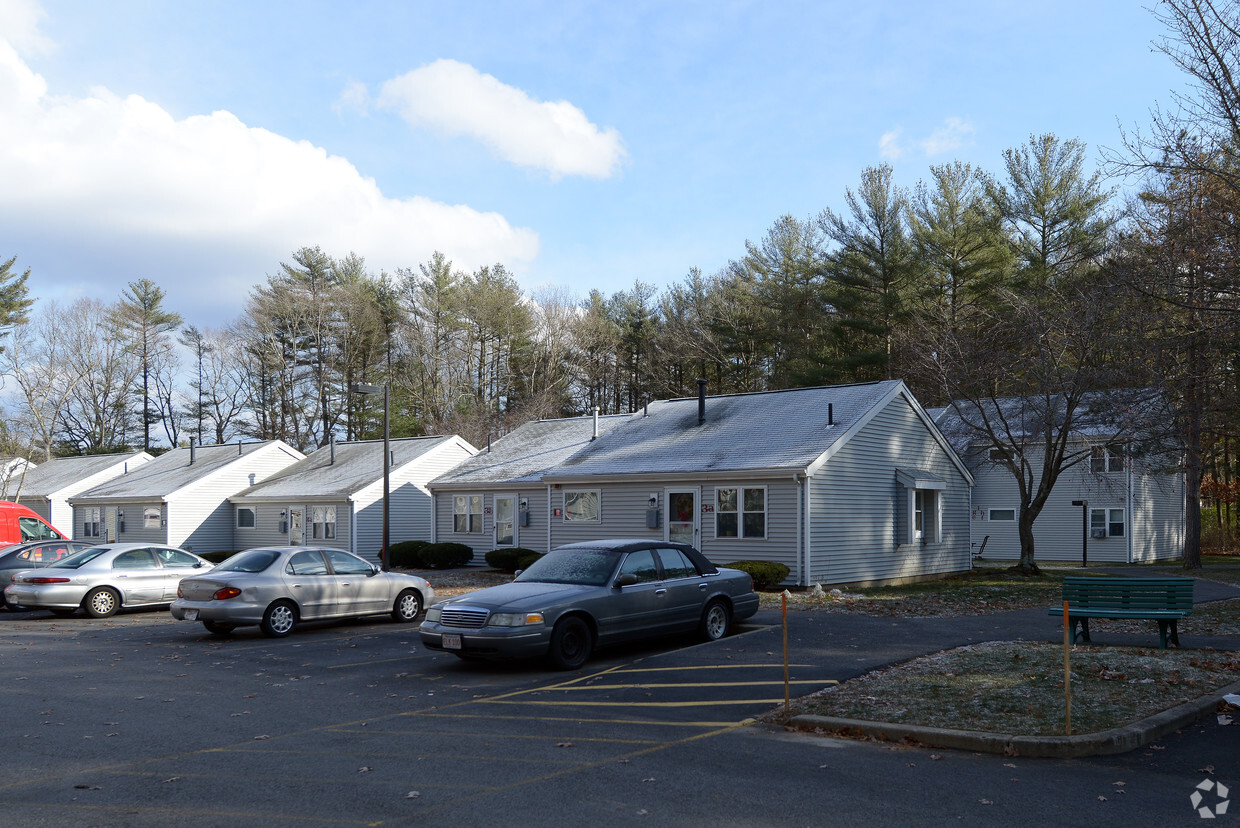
column 192, row 453
column 701, row 401
column 594, row 436
column 333, row 452
column 238, row 448
column 830, row 413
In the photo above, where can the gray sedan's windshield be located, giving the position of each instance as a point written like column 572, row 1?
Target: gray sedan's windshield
column 256, row 560
column 587, row 567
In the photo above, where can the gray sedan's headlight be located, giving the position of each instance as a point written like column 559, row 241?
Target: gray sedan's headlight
column 432, row 614
column 514, row 619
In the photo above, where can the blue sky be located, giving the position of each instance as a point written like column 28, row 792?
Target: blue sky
column 583, row 145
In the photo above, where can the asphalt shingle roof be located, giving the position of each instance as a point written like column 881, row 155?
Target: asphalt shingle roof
column 528, row 451
column 170, row 472
column 742, row 432
column 357, row 465
column 55, row 474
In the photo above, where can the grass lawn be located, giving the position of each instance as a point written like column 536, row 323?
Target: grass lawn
column 1017, row 688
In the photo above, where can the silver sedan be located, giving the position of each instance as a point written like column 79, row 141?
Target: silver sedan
column 277, row 587
column 105, row 578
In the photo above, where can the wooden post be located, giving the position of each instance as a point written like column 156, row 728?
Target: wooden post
column 1067, row 672
column 787, row 695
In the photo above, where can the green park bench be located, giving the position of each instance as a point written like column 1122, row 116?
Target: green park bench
column 1165, row 600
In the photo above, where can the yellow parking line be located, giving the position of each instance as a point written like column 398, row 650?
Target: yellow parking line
column 575, row 720
column 646, row 686
column 700, row 703
column 704, row 667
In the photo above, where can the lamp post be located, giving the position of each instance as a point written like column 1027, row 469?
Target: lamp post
column 362, row 388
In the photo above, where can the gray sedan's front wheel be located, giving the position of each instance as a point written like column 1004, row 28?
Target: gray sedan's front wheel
column 279, row 619
column 571, row 643
column 407, row 607
column 102, row 602
column 716, row 619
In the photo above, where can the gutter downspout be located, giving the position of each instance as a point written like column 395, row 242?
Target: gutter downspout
column 971, row 529
column 1132, row 518
column 548, row 517
column 809, row 530
column 352, row 520
column 796, row 480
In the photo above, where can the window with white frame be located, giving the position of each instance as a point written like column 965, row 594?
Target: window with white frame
column 1003, row 514
column 245, row 517
column 467, row 514
column 1105, row 460
column 922, row 518
column 1106, row 523
column 150, row 517
column 740, row 512
column 582, row 505
column 323, row 522
column 93, row 520
column 998, row 455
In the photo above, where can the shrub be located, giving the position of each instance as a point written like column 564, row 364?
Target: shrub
column 446, row 555
column 525, row 560
column 508, row 560
column 765, row 574
column 407, row 554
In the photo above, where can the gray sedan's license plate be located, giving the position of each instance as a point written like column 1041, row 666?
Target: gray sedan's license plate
column 191, row 615
column 451, row 642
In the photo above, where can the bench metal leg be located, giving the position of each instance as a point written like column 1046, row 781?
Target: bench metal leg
column 1083, row 635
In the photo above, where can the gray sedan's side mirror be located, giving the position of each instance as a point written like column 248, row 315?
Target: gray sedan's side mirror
column 627, row 579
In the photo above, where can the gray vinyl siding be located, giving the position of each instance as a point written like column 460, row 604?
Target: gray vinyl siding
column 409, row 518
column 1152, row 504
column 532, row 537
column 1158, row 517
column 270, row 517
column 855, row 501
column 780, row 543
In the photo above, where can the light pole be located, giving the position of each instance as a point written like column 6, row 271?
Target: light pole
column 362, row 388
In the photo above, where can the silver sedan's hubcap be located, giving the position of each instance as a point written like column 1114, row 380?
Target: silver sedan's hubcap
column 281, row 619
column 103, row 602
column 409, row 606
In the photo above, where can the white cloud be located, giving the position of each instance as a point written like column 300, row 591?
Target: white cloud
column 889, row 145
column 457, row 99
column 355, row 98
column 88, row 177
column 19, row 20
column 951, row 136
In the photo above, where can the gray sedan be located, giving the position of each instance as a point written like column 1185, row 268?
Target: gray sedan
column 593, row 593
column 277, row 587
column 103, row 579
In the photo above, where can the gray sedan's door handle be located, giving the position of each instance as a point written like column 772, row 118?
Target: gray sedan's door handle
column 660, row 592
column 702, row 586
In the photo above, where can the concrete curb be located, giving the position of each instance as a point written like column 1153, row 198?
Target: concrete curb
column 1117, row 740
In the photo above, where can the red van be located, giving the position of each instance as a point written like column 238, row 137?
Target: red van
column 19, row 524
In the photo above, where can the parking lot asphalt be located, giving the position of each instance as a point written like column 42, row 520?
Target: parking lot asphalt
column 141, row 720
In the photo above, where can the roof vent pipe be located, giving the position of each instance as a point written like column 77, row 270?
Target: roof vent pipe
column 646, row 409
column 238, row 448
column 333, row 453
column 830, row 413
column 594, row 436
column 192, row 452
column 488, row 444
column 701, row 401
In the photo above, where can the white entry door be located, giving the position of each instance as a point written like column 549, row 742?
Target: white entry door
column 683, row 520
column 296, row 526
column 505, row 520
